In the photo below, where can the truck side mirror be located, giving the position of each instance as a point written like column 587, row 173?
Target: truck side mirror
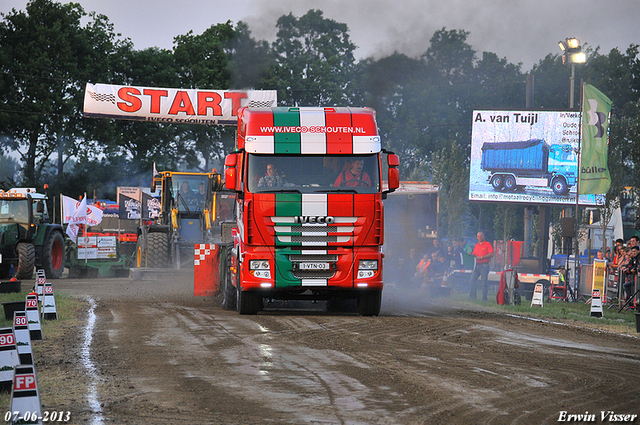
column 394, row 179
column 394, row 174
column 40, row 207
column 230, row 172
column 230, row 178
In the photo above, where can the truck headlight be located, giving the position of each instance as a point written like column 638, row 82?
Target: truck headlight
column 368, row 265
column 260, row 269
column 367, row 268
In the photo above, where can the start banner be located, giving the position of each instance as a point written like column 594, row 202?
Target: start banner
column 179, row 106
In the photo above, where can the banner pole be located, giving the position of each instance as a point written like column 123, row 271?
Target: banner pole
column 577, row 228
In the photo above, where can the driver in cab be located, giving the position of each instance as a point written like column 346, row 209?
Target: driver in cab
column 353, row 176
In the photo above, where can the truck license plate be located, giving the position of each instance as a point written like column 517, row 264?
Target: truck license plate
column 313, row 266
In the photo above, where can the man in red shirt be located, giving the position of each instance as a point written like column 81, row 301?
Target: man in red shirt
column 354, row 176
column 483, row 252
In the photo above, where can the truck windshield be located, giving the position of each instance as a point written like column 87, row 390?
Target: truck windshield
column 313, row 173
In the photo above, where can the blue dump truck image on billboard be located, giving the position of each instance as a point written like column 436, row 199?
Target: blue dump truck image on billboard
column 533, row 163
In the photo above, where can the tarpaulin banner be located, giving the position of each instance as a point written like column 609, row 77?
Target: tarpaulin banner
column 129, row 208
column 150, row 207
column 594, row 170
column 180, row 106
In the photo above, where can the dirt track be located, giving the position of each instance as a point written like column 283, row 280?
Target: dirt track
column 159, row 355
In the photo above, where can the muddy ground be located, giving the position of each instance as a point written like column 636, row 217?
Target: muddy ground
column 149, row 352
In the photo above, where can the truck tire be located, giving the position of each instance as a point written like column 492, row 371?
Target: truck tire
column 248, row 302
column 26, row 260
column 497, row 181
column 53, row 256
column 369, row 303
column 158, row 251
column 228, row 291
column 559, row 186
column 509, row 183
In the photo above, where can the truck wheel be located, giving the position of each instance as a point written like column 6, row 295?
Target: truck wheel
column 53, row 256
column 497, row 181
column 158, row 250
column 559, row 186
column 509, row 183
column 26, row 260
column 248, row 302
column 228, row 291
column 369, row 303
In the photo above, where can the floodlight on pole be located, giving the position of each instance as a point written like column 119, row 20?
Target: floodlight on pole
column 572, row 54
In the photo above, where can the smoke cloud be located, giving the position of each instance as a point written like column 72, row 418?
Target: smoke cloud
column 520, row 31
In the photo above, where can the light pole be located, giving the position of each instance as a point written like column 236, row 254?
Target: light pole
column 572, row 54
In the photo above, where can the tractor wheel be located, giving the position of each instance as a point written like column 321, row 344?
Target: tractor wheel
column 158, row 251
column 26, row 260
column 228, row 291
column 369, row 303
column 53, row 256
column 141, row 254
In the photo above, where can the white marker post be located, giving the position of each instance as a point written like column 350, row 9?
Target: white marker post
column 25, row 400
column 23, row 337
column 40, row 281
column 596, row 304
column 8, row 357
column 49, row 311
column 33, row 316
column 538, row 295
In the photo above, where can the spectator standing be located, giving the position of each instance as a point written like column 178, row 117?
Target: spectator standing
column 630, row 270
column 483, row 252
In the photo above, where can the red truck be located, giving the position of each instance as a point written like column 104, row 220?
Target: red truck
column 309, row 221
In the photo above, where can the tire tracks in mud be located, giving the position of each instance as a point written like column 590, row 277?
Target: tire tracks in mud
column 171, row 360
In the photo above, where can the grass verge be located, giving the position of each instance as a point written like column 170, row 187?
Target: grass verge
column 69, row 310
column 577, row 313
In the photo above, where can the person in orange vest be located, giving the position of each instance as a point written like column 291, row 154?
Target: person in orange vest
column 422, row 270
column 483, row 252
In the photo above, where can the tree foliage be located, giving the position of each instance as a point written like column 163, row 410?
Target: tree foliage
column 49, row 51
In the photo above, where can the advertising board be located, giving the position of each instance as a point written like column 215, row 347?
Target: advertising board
column 527, row 157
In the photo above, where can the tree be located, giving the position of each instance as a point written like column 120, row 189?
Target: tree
column 313, row 61
column 46, row 55
column 450, row 169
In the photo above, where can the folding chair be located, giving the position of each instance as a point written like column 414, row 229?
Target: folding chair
column 558, row 289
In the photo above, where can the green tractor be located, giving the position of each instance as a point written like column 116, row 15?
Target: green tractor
column 27, row 239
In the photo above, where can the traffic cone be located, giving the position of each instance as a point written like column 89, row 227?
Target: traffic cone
column 9, row 358
column 23, row 337
column 25, row 400
column 49, row 311
column 33, row 316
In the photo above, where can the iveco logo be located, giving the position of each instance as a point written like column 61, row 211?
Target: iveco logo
column 300, row 219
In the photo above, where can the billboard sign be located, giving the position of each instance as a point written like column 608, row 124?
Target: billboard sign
column 527, row 157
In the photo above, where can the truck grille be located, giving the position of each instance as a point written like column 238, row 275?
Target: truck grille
column 340, row 231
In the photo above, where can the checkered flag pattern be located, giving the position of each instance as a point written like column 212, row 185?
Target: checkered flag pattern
column 201, row 251
column 99, row 97
column 260, row 103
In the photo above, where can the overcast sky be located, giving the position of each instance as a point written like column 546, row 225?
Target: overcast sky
column 522, row 31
